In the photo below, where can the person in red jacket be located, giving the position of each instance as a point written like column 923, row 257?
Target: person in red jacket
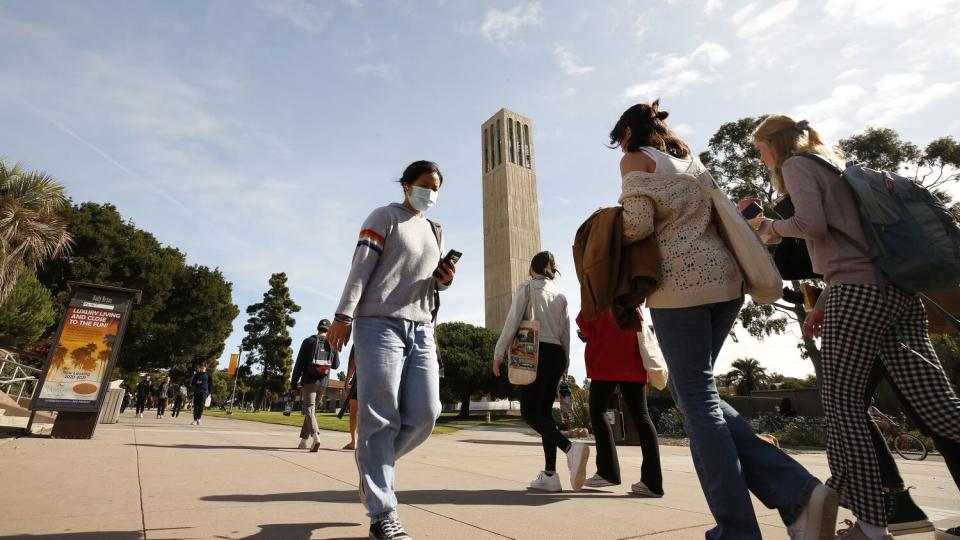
column 613, row 359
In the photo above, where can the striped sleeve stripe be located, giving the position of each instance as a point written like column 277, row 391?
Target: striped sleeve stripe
column 372, row 240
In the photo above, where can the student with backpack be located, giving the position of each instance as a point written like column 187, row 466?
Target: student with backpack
column 869, row 314
column 179, row 399
column 693, row 307
column 390, row 302
column 540, row 298
column 311, row 373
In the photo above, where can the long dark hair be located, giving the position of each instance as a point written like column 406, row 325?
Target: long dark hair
column 648, row 127
column 544, row 264
column 417, row 169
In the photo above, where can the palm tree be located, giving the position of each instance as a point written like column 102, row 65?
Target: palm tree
column 748, row 375
column 32, row 226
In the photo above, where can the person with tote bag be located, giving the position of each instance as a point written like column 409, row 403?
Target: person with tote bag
column 694, row 307
column 548, row 306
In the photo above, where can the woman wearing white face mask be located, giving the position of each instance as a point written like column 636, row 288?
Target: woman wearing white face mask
column 389, row 301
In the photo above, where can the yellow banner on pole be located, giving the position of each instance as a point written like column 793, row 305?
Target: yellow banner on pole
column 234, row 359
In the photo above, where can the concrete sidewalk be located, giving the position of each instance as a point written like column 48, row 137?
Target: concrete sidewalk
column 147, row 478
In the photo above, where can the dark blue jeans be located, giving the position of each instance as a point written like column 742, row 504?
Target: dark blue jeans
column 731, row 461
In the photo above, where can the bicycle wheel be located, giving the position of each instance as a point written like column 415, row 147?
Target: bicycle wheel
column 910, row 447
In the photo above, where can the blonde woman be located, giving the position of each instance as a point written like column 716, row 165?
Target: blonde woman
column 861, row 325
column 693, row 309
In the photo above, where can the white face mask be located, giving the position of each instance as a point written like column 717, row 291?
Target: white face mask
column 422, row 199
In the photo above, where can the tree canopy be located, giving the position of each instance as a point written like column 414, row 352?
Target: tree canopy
column 268, row 338
column 27, row 313
column 467, row 352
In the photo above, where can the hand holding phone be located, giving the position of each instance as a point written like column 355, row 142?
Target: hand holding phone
column 450, row 259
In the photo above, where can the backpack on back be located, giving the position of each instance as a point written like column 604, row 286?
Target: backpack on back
column 915, row 240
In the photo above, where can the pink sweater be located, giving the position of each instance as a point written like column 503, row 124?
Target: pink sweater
column 823, row 201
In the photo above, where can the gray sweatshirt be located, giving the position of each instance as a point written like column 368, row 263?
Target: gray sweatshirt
column 392, row 272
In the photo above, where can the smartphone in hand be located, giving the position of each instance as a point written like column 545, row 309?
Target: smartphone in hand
column 452, row 257
column 751, row 211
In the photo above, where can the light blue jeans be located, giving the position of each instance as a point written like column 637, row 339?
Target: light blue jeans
column 731, row 461
column 399, row 401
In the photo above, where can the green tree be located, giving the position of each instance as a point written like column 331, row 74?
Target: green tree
column 28, row 312
column 268, row 338
column 948, row 351
column 186, row 312
column 467, row 351
column 881, row 148
column 32, row 226
column 794, row 383
column 747, row 375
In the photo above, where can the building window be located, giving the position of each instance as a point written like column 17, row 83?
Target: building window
column 526, row 144
column 499, row 143
column 493, row 145
column 486, row 152
column 519, row 145
column 513, row 157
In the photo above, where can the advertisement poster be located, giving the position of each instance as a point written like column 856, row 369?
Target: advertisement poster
column 85, row 350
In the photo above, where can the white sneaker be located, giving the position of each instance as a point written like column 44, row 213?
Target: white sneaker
column 140, row 415
column 818, row 521
column 545, row 482
column 577, row 459
column 597, row 481
column 303, row 444
column 641, row 490
column 198, row 422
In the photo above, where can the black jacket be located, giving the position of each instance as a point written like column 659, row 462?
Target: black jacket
column 144, row 389
column 301, row 370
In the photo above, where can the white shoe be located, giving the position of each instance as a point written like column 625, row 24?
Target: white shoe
column 577, row 459
column 818, row 521
column 545, row 482
column 641, row 490
column 140, row 415
column 303, row 444
column 198, row 422
column 597, row 481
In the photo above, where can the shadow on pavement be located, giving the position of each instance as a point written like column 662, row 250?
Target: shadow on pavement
column 504, row 443
column 293, row 531
column 215, row 447
column 495, row 497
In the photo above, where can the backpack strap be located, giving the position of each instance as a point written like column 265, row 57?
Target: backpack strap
column 823, row 161
column 947, row 316
column 438, row 233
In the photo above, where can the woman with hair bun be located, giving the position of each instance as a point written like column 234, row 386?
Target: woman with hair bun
column 693, row 308
column 549, row 306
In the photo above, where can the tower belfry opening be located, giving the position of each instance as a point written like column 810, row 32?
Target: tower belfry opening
column 511, row 215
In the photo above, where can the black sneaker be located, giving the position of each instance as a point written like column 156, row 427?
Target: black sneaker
column 388, row 529
column 904, row 516
column 947, row 534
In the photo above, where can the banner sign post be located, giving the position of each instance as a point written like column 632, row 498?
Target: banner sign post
column 84, row 352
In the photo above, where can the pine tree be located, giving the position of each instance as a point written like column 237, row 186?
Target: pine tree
column 268, row 338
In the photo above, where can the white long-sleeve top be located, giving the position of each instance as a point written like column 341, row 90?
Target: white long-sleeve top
column 549, row 306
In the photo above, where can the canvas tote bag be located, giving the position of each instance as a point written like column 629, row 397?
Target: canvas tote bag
column 763, row 280
column 653, row 362
column 524, row 352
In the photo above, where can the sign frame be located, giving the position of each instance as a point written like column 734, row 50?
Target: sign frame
column 120, row 299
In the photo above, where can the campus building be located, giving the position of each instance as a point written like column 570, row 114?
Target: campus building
column 511, row 216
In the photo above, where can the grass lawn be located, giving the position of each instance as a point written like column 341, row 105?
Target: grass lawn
column 330, row 422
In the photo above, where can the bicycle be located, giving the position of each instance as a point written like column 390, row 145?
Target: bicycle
column 907, row 445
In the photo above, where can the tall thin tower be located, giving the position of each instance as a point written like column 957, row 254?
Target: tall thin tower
column 511, row 217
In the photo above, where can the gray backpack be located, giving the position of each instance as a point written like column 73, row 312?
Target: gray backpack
column 914, row 240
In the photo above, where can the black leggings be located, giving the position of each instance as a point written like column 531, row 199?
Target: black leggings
column 536, row 402
column 161, row 406
column 608, row 466
column 141, row 403
column 199, row 401
column 889, row 472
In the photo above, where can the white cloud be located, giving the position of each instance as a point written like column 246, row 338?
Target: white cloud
column 640, row 27
column 888, row 12
column 850, row 73
column 828, row 115
column 380, row 70
column 752, row 23
column 299, row 13
column 569, row 62
column 901, row 95
column 683, row 130
column 678, row 73
column 712, row 6
column 353, row 3
column 501, row 27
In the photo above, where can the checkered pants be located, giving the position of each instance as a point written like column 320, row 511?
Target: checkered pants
column 860, row 328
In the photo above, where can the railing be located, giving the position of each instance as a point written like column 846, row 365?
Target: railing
column 16, row 379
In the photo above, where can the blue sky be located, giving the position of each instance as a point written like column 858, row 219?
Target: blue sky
column 257, row 135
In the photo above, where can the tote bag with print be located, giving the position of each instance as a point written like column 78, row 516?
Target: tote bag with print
column 524, row 353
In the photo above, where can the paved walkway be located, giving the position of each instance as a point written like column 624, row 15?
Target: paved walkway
column 234, row 479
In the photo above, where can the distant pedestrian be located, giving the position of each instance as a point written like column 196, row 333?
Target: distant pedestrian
column 614, row 361
column 548, row 306
column 311, row 373
column 389, row 300
column 200, row 383
column 143, row 394
column 179, row 400
column 165, row 392
column 351, row 393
